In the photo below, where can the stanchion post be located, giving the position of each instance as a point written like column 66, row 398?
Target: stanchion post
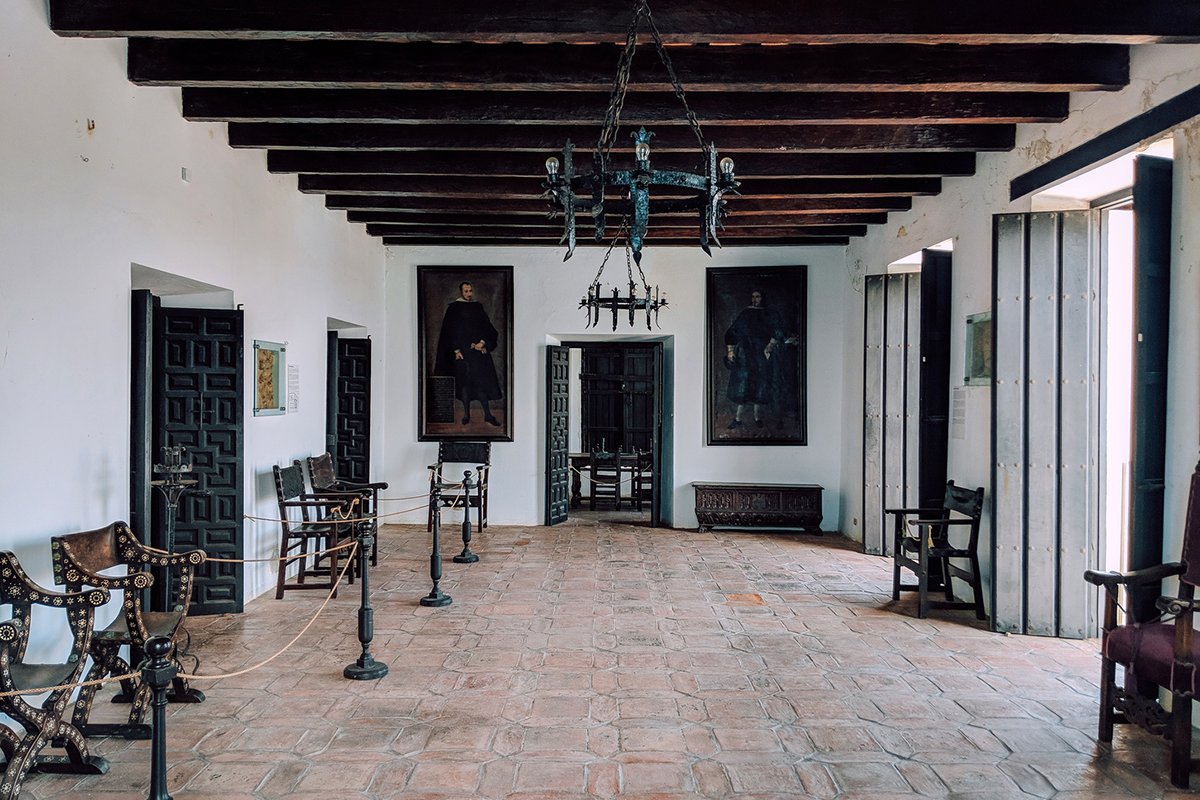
column 158, row 671
column 466, row 556
column 436, row 597
column 366, row 668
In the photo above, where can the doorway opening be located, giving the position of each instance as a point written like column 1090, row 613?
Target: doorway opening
column 348, row 399
column 187, row 389
column 1128, row 217
column 606, row 397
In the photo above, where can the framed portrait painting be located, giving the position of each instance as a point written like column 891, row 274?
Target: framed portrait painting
column 465, row 369
column 756, row 320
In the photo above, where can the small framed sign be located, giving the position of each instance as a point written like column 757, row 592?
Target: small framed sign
column 977, row 358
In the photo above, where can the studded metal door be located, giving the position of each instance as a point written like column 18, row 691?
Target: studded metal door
column 198, row 392
column 558, row 375
column 353, row 456
column 1045, row 400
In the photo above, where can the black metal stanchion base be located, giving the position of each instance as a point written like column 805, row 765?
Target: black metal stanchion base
column 365, row 670
column 465, row 557
column 436, row 599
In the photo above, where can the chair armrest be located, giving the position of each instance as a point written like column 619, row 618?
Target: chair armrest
column 311, row 503
column 359, row 487
column 955, row 521
column 12, row 632
column 1135, row 577
column 912, row 510
column 88, row 597
column 192, row 558
column 1176, row 606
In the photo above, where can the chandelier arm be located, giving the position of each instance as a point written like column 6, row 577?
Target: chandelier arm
column 616, row 99
column 693, row 122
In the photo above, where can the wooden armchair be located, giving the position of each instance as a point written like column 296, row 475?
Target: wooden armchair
column 308, row 519
column 42, row 726
column 323, row 478
column 1160, row 652
column 79, row 559
column 452, row 457
column 924, row 543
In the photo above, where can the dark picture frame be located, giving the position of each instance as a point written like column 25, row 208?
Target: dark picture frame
column 737, row 366
column 445, row 318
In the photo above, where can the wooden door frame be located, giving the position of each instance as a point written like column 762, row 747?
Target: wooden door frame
column 659, row 344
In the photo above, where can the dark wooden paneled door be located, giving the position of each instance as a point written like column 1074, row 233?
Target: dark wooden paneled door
column 353, row 456
column 558, row 375
column 618, row 396
column 934, row 400
column 197, row 401
column 1151, row 318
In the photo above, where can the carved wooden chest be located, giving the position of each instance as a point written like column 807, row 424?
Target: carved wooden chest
column 759, row 505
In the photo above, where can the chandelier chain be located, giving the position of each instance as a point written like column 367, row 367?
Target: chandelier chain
column 693, row 122
column 608, row 252
column 616, row 99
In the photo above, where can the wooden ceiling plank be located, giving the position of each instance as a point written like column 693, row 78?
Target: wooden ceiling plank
column 537, row 207
column 643, row 108
column 681, row 21
column 549, row 241
column 529, row 188
column 793, row 165
column 667, row 138
column 473, row 219
column 379, row 229
column 564, row 67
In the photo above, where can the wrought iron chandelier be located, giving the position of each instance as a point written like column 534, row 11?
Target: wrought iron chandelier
column 651, row 301
column 570, row 192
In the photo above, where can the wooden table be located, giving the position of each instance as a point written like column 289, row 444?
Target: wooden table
column 759, row 505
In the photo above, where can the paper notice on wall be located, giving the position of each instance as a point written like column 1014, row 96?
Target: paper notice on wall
column 958, row 413
column 293, row 389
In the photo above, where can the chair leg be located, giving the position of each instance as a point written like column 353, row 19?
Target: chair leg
column 923, row 578
column 977, row 586
column 1181, row 741
column 946, row 580
column 333, row 573
column 283, row 565
column 896, row 566
column 1108, row 676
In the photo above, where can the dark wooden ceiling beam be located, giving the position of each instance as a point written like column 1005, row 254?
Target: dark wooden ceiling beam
column 552, row 241
column 681, row 21
column 667, row 138
column 799, row 206
column 530, row 188
column 654, row 233
column 790, row 165
column 559, row 67
column 641, row 108
column 689, row 221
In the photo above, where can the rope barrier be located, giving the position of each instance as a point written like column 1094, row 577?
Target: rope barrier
column 80, row 684
column 315, row 553
column 580, row 473
column 286, row 647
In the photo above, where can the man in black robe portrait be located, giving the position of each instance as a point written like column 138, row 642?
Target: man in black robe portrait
column 750, row 343
column 465, row 346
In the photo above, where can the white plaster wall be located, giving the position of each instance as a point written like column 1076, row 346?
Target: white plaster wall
column 964, row 212
column 546, row 294
column 90, row 183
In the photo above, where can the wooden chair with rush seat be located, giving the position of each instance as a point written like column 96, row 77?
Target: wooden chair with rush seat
column 79, row 560
column 605, row 471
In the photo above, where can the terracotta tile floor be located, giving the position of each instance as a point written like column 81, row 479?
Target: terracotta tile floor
column 596, row 660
